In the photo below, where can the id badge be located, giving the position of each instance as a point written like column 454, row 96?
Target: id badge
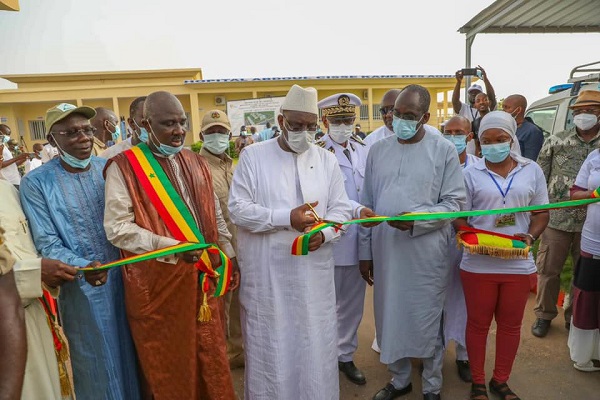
column 505, row 220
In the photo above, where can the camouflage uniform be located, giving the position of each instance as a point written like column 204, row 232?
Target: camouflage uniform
column 561, row 158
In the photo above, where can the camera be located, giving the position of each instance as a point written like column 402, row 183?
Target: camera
column 471, row 72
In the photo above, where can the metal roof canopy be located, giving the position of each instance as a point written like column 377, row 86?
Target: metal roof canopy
column 532, row 16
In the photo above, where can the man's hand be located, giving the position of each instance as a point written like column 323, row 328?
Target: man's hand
column 191, row 257
column 96, row 278
column 302, row 217
column 366, row 270
column 402, row 225
column 366, row 212
column 483, row 74
column 234, row 282
column 21, row 158
column 459, row 75
column 55, row 273
column 316, row 241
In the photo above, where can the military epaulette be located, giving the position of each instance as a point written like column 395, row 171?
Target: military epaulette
column 357, row 139
column 320, row 143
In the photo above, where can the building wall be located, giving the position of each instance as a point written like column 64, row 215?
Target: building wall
column 116, row 91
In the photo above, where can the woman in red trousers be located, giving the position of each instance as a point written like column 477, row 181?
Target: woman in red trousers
column 497, row 287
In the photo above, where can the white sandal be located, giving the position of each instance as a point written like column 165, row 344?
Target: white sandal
column 587, row 367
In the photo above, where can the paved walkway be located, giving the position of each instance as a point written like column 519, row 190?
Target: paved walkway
column 542, row 370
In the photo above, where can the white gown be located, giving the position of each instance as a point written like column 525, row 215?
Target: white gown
column 288, row 302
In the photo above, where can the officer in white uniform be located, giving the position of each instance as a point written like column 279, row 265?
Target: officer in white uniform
column 338, row 114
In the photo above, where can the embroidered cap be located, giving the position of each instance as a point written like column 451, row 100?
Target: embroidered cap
column 340, row 104
column 215, row 117
column 63, row 110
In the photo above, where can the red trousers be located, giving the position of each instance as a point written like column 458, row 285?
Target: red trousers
column 504, row 297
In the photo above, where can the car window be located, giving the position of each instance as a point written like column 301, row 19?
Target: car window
column 544, row 118
column 569, row 119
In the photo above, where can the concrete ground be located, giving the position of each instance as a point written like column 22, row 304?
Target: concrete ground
column 542, row 370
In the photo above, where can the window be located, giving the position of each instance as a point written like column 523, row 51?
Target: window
column 364, row 111
column 189, row 121
column 37, row 130
column 376, row 112
column 544, row 118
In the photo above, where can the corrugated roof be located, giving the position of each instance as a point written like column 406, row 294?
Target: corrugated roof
column 536, row 16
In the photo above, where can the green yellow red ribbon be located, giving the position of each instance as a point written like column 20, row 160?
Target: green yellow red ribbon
column 300, row 245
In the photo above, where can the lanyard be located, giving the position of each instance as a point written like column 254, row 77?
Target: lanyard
column 504, row 194
column 466, row 162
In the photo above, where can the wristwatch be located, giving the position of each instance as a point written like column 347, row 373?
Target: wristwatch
column 531, row 236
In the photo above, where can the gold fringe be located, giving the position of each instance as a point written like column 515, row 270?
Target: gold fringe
column 494, row 251
column 204, row 315
column 62, row 358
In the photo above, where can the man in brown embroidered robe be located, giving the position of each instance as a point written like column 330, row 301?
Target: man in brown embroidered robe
column 163, row 296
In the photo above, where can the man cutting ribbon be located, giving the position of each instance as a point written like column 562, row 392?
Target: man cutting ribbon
column 159, row 195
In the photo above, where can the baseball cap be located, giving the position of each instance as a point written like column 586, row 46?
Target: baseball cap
column 63, row 110
column 215, row 117
column 475, row 87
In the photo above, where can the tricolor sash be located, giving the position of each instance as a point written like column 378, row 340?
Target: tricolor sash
column 179, row 220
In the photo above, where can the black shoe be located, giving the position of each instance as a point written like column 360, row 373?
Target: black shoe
column 354, row 374
column 464, row 370
column 389, row 392
column 431, row 396
column 540, row 327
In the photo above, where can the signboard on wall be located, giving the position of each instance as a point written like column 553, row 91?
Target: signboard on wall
column 253, row 112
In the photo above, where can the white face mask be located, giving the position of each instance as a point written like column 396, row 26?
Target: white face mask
column 299, row 142
column 585, row 121
column 340, row 133
column 216, row 143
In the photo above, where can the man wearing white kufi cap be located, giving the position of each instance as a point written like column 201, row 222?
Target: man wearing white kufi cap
column 338, row 115
column 288, row 302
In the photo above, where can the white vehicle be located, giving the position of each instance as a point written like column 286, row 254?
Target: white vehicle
column 552, row 113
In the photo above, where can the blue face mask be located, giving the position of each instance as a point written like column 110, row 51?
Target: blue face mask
column 73, row 161
column 404, row 128
column 143, row 136
column 5, row 139
column 117, row 133
column 459, row 141
column 164, row 149
column 495, row 153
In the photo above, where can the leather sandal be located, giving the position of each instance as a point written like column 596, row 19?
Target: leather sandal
column 478, row 392
column 502, row 390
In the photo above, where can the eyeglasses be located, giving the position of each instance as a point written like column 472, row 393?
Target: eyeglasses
column 406, row 117
column 386, row 110
column 88, row 131
column 299, row 128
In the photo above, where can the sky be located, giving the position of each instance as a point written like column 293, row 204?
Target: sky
column 276, row 38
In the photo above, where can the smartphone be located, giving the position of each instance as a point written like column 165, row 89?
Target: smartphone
column 470, row 71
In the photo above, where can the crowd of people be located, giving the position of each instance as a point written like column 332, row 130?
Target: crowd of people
column 153, row 330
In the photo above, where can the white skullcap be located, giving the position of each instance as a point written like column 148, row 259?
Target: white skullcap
column 301, row 99
column 501, row 120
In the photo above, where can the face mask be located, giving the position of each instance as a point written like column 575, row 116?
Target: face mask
column 495, row 153
column 299, row 142
column 340, row 133
column 73, row 161
column 164, row 149
column 459, row 141
column 515, row 113
column 5, row 139
column 585, row 121
column 404, row 128
column 216, row 143
column 143, row 135
column 117, row 133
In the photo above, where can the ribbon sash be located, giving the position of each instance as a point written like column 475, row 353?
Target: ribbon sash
column 176, row 216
